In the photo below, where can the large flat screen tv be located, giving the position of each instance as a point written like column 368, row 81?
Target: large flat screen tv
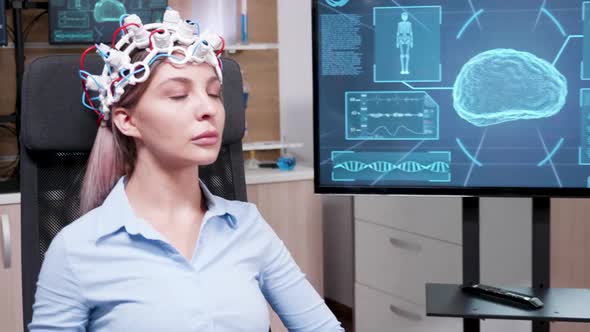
column 456, row 97
column 94, row 21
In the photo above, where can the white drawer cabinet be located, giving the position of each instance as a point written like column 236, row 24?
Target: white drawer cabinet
column 401, row 263
column 378, row 312
column 437, row 217
column 11, row 314
column 402, row 243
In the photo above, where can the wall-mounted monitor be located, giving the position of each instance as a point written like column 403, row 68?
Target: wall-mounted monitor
column 91, row 21
column 460, row 97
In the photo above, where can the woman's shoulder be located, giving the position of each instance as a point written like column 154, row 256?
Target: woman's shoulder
column 81, row 230
column 239, row 208
column 244, row 212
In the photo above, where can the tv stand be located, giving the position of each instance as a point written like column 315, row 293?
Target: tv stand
column 561, row 304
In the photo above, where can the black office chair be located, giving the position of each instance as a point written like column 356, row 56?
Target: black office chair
column 57, row 133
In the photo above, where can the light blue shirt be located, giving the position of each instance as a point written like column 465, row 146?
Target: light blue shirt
column 112, row 271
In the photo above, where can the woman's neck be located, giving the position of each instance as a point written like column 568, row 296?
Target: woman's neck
column 155, row 190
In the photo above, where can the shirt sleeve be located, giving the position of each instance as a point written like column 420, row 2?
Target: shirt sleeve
column 290, row 294
column 59, row 305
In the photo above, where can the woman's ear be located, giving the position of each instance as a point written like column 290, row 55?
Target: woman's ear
column 124, row 121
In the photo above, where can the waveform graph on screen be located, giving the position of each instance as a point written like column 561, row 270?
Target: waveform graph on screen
column 383, row 167
column 391, row 115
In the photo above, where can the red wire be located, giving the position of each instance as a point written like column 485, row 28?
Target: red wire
column 114, row 39
column 101, row 116
column 152, row 33
column 99, row 119
column 222, row 46
column 89, row 100
column 82, row 58
column 115, row 82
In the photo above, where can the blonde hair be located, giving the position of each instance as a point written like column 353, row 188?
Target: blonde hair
column 113, row 153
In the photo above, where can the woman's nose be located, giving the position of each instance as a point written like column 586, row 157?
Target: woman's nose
column 205, row 110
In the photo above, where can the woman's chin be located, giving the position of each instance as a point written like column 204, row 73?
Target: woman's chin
column 206, row 157
column 205, row 162
column 194, row 157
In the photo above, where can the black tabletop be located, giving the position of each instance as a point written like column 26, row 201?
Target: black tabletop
column 560, row 304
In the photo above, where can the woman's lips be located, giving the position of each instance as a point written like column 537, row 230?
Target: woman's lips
column 206, row 138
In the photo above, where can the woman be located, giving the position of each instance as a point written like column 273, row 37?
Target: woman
column 156, row 251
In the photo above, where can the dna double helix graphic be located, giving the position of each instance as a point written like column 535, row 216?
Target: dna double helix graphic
column 385, row 166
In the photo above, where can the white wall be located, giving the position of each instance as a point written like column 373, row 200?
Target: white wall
column 295, row 75
column 296, row 103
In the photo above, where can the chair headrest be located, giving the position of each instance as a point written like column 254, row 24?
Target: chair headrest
column 54, row 119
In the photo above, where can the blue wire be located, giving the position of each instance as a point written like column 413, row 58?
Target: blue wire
column 102, row 54
column 121, row 18
column 161, row 55
column 198, row 30
column 92, row 77
column 199, row 45
column 129, row 75
column 83, row 72
column 126, row 77
column 121, row 22
column 104, row 57
column 88, row 106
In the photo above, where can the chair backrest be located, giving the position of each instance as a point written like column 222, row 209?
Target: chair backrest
column 56, row 137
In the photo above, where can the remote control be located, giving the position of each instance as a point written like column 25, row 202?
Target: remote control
column 505, row 294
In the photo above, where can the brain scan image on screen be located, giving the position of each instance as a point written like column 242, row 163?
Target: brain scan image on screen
column 458, row 94
column 108, row 11
column 503, row 85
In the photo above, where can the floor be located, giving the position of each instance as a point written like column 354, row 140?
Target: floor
column 346, row 324
column 343, row 313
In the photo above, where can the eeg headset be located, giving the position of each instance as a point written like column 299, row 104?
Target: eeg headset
column 178, row 40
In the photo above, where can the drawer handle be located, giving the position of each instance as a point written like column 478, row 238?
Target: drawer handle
column 6, row 241
column 411, row 246
column 405, row 314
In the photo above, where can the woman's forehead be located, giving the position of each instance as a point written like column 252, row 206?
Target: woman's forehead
column 195, row 72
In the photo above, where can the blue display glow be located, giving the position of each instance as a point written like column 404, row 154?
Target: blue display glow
column 454, row 95
column 503, row 85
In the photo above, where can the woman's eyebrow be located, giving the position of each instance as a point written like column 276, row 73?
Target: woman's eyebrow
column 179, row 79
column 211, row 79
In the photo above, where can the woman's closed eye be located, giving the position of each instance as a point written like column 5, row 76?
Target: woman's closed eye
column 213, row 88
column 178, row 97
column 214, row 92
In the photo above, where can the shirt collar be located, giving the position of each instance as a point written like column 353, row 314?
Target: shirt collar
column 116, row 212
